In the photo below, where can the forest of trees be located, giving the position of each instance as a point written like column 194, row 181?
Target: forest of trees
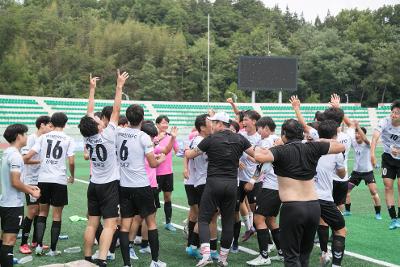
column 49, row 47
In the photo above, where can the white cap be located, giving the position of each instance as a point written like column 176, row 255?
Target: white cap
column 220, row 116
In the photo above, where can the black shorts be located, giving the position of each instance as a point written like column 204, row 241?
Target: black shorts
column 191, row 194
column 390, row 166
column 268, row 203
column 136, row 201
column 156, row 197
column 252, row 195
column 103, row 199
column 339, row 192
column 199, row 193
column 11, row 219
column 357, row 177
column 166, row 182
column 53, row 194
column 331, row 215
column 30, row 201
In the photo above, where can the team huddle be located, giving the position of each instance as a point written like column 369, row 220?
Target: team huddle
column 236, row 170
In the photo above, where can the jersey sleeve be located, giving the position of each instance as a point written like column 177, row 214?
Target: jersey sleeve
column 352, row 133
column 110, row 132
column 16, row 163
column 245, row 143
column 275, row 152
column 71, row 148
column 147, row 143
column 204, row 145
column 382, row 124
column 340, row 164
column 38, row 144
column 320, row 148
column 314, row 134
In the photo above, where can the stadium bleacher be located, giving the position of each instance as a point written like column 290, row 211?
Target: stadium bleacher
column 24, row 109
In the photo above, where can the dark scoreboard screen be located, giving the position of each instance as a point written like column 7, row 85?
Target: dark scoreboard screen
column 267, row 73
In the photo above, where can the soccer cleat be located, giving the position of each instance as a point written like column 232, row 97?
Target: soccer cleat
column 392, row 224
column 378, row 216
column 214, row 256
column 39, row 250
column 145, row 250
column 158, row 264
column 170, row 227
column 53, row 253
column 271, row 248
column 44, row 247
column 325, row 259
column 235, row 249
column 24, row 249
column 277, row 258
column 194, row 252
column 247, row 235
column 204, row 262
column 398, row 223
column 110, row 256
column 95, row 255
column 259, row 261
column 132, row 254
column 346, row 213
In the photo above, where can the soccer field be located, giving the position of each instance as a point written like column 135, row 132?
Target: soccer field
column 366, row 236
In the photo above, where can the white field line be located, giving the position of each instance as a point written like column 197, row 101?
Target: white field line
column 253, row 252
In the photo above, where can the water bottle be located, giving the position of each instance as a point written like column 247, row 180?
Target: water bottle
column 72, row 250
column 25, row 259
column 63, row 237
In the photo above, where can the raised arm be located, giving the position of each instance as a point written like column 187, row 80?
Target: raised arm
column 295, row 101
column 170, row 145
column 121, row 78
column 92, row 89
column 234, row 107
column 335, row 103
column 361, row 132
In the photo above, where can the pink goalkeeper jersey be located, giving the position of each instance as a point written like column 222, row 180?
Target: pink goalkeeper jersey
column 166, row 167
column 151, row 172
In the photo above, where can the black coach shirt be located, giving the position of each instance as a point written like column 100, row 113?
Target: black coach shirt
column 298, row 160
column 224, row 150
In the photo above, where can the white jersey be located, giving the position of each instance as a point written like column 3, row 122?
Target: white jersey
column 326, row 169
column 31, row 171
column 103, row 155
column 268, row 176
column 362, row 161
column 11, row 162
column 53, row 149
column 390, row 135
column 345, row 139
column 314, row 134
column 248, row 172
column 132, row 147
column 198, row 165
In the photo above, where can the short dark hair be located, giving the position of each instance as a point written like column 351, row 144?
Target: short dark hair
column 235, row 125
column 13, row 130
column 88, row 126
column 42, row 119
column 314, row 124
column 135, row 114
column 362, row 129
column 149, row 128
column 59, row 119
column 241, row 115
column 266, row 122
column 292, row 130
column 98, row 114
column 106, row 112
column 395, row 104
column 122, row 120
column 162, row 117
column 201, row 120
column 327, row 129
column 319, row 116
column 335, row 114
column 252, row 114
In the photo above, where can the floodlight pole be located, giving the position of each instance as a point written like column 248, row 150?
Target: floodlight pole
column 280, row 97
column 253, row 96
column 208, row 60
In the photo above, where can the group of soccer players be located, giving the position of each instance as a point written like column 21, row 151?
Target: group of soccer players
column 233, row 167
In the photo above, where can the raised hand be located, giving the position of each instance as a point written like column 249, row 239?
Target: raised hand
column 229, row 100
column 174, row 131
column 93, row 81
column 121, row 78
column 335, row 101
column 295, row 101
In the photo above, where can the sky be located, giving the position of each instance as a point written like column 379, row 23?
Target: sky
column 313, row 8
